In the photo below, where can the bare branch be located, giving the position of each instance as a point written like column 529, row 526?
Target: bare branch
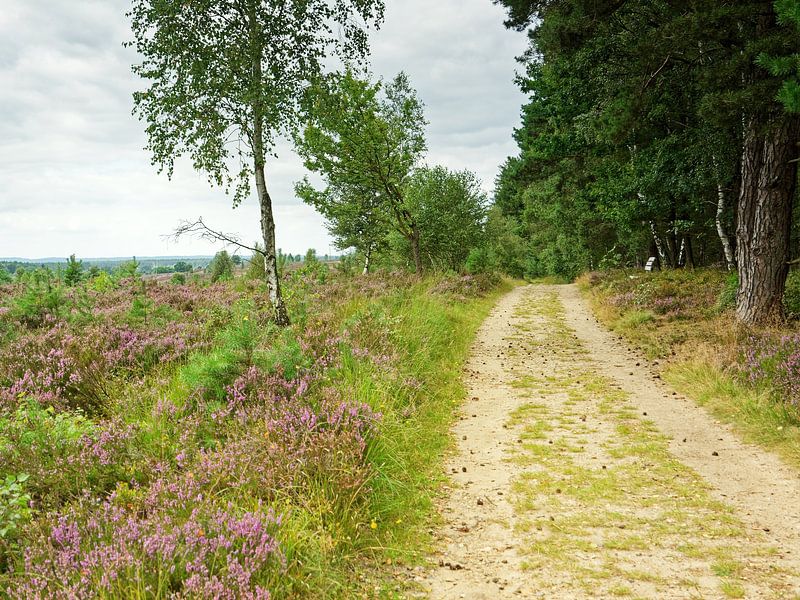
column 199, row 229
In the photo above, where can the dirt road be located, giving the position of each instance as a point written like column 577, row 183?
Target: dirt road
column 580, row 475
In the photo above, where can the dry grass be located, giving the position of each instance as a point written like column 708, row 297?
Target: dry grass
column 697, row 347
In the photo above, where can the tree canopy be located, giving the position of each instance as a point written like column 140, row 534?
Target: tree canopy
column 365, row 140
column 650, row 130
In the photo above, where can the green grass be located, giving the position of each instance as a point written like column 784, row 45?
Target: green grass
column 432, row 335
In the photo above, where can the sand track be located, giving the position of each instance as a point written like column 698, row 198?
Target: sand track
column 578, row 474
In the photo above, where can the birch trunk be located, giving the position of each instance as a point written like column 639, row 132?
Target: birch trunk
column 264, row 200
column 368, row 254
column 730, row 260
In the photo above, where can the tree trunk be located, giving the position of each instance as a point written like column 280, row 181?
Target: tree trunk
column 727, row 249
column 689, row 251
column 270, row 254
column 368, row 254
column 769, row 179
column 662, row 256
column 730, row 261
column 415, row 249
column 264, row 200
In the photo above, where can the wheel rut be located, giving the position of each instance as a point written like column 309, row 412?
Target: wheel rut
column 578, row 474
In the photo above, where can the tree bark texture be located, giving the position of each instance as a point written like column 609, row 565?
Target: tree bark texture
column 662, row 257
column 270, row 251
column 769, row 179
column 368, row 255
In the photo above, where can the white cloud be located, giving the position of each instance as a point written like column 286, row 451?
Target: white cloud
column 73, row 173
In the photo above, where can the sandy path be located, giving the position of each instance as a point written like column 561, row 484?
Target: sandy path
column 765, row 491
column 563, row 488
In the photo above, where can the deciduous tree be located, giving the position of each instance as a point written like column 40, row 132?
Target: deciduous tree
column 224, row 78
column 364, row 139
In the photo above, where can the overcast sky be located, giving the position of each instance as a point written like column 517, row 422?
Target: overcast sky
column 73, row 173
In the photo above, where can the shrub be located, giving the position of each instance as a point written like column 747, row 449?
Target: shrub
column 791, row 296
column 182, row 267
column 74, row 272
column 773, row 360
column 65, row 453
column 39, row 302
column 727, row 297
column 118, row 550
column 211, row 372
column 102, row 283
column 480, row 260
column 178, row 279
column 128, row 269
column 15, row 511
column 221, row 267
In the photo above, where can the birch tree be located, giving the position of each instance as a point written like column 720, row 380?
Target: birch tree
column 223, row 82
column 365, row 140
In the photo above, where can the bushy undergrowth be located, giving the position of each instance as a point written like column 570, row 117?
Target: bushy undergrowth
column 689, row 314
column 165, row 440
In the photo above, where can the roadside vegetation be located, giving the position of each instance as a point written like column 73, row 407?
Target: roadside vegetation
column 683, row 321
column 165, row 439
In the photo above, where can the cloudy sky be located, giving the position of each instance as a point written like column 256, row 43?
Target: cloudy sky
column 73, row 173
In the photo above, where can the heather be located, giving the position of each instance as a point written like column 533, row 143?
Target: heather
column 683, row 321
column 161, row 439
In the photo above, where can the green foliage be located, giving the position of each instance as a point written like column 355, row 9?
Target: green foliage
column 73, row 274
column 364, row 139
column 102, row 282
column 216, row 68
column 182, row 267
column 5, row 276
column 41, row 299
column 786, row 66
column 221, row 267
column 178, row 279
column 727, row 297
column 255, row 265
column 450, row 207
column 234, row 350
column 480, row 260
column 128, row 269
column 15, row 512
column 634, row 126
column 284, row 356
column 506, row 249
column 791, row 296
